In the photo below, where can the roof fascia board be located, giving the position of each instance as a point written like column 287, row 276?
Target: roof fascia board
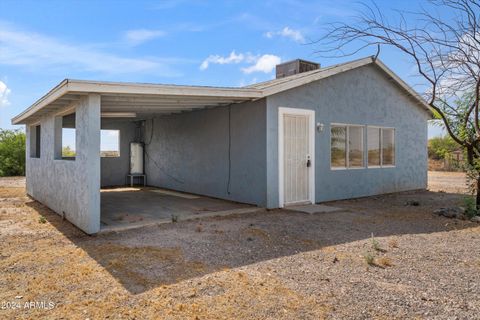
column 78, row 86
column 125, row 88
column 58, row 91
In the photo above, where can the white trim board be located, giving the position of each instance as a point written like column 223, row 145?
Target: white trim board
column 311, row 141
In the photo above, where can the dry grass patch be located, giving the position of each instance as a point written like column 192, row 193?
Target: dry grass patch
column 384, row 262
column 393, row 243
column 12, row 192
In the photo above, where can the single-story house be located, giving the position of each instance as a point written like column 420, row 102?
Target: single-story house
column 311, row 135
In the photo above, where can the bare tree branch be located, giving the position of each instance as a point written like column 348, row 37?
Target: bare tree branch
column 445, row 52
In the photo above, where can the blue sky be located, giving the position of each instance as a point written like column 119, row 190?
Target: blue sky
column 227, row 43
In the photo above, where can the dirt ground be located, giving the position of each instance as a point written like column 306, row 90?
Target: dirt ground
column 454, row 182
column 278, row 264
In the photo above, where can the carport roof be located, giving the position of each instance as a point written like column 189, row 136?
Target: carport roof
column 143, row 98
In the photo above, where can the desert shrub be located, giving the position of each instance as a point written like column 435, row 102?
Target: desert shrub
column 369, row 258
column 376, row 245
column 439, row 147
column 12, row 153
column 470, row 206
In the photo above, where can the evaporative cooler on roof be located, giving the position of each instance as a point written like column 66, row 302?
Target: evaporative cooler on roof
column 290, row 68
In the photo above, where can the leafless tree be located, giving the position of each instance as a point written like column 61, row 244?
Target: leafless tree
column 445, row 50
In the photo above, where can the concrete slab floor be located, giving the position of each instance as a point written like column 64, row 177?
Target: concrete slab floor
column 126, row 208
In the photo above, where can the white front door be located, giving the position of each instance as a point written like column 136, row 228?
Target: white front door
column 297, row 150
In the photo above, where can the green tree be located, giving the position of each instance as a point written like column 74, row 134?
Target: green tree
column 440, row 147
column 68, row 152
column 12, row 153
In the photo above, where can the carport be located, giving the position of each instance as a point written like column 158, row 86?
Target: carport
column 98, row 192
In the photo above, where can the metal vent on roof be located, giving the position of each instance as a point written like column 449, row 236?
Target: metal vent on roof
column 290, row 68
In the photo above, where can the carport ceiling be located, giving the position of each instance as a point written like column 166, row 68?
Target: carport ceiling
column 138, row 98
column 151, row 104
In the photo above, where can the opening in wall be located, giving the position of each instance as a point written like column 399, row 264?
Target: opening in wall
column 65, row 137
column 109, row 143
column 35, row 141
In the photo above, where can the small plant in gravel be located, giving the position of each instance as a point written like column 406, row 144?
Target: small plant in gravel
column 470, row 207
column 369, row 258
column 42, row 219
column 376, row 245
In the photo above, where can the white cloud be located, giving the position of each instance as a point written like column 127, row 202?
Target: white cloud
column 4, row 92
column 261, row 63
column 139, row 36
column 287, row 32
column 216, row 59
column 265, row 63
column 34, row 50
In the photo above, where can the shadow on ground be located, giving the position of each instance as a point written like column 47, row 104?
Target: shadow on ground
column 145, row 258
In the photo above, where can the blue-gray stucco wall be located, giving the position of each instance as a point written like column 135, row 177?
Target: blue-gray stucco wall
column 362, row 96
column 190, row 152
column 114, row 169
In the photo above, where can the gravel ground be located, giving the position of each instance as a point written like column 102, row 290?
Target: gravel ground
column 274, row 265
column 12, row 182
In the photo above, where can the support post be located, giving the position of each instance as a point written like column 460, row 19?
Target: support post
column 88, row 159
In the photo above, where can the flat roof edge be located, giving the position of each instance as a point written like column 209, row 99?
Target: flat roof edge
column 55, row 92
column 85, row 86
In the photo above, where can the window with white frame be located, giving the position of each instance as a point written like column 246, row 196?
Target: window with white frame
column 388, row 147
column 380, row 146
column 347, row 146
